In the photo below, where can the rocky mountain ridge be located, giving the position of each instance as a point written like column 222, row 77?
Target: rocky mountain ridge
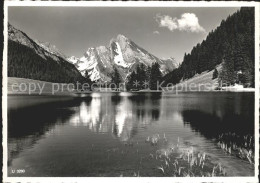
column 122, row 54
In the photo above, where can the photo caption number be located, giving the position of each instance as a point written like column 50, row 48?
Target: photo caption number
column 20, row 171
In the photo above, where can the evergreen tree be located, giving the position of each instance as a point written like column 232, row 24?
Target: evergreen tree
column 131, row 79
column 227, row 75
column 116, row 78
column 138, row 79
column 87, row 78
column 141, row 76
column 148, row 73
column 231, row 42
column 215, row 74
column 155, row 76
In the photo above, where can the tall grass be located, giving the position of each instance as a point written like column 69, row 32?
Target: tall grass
column 186, row 162
column 178, row 161
column 241, row 146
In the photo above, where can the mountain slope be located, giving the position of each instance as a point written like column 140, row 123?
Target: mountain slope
column 28, row 59
column 199, row 82
column 232, row 44
column 51, row 49
column 122, row 54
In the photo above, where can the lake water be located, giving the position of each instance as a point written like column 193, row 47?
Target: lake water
column 103, row 134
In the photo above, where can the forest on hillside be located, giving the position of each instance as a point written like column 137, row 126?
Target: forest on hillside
column 230, row 44
column 23, row 62
column 143, row 78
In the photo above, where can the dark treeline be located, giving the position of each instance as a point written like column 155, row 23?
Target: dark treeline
column 24, row 62
column 231, row 44
column 143, row 77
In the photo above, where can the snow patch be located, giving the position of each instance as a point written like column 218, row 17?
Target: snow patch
column 237, row 88
column 94, row 75
column 83, row 59
column 118, row 59
column 73, row 60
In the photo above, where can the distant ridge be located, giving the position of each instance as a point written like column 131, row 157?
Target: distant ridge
column 35, row 60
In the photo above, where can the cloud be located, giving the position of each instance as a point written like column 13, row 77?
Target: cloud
column 156, row 32
column 188, row 22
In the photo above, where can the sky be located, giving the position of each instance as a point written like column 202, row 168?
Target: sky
column 163, row 31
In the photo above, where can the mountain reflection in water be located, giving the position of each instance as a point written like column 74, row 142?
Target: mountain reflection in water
column 119, row 115
column 49, row 132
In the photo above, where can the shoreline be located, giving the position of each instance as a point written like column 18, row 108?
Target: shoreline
column 135, row 92
column 23, row 86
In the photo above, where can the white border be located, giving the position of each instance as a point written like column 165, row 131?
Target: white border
column 130, row 4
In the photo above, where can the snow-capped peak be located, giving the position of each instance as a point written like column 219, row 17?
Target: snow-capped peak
column 121, row 53
column 121, row 37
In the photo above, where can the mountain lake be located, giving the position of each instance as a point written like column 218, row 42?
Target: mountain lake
column 125, row 134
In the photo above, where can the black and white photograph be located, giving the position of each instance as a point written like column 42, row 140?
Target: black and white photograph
column 131, row 89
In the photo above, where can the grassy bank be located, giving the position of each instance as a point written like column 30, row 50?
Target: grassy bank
column 241, row 146
column 23, row 86
column 182, row 161
column 205, row 78
column 168, row 160
column 204, row 82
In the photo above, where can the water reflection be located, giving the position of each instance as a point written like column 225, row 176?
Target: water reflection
column 123, row 119
column 105, row 120
column 28, row 124
column 211, row 125
column 118, row 114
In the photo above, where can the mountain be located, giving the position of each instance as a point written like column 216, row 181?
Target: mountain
column 51, row 49
column 122, row 54
column 37, row 60
column 231, row 44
